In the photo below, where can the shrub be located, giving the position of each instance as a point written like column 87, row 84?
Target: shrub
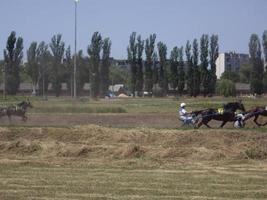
column 226, row 88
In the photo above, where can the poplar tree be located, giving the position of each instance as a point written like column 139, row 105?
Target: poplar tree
column 204, row 51
column 213, row 53
column 105, row 65
column 174, row 68
column 132, row 53
column 149, row 50
column 181, row 72
column 69, row 70
column 155, row 69
column 196, row 69
column 139, row 75
column 58, row 49
column 256, row 83
column 163, row 80
column 94, row 50
column 82, row 71
column 190, row 72
column 264, row 45
column 32, row 66
column 44, row 58
column 13, row 60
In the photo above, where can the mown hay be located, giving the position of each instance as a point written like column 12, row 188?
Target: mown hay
column 96, row 142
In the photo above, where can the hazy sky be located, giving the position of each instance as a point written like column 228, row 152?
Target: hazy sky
column 173, row 21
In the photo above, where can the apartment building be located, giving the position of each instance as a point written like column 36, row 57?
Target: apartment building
column 230, row 62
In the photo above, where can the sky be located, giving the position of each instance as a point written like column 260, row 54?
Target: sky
column 173, row 21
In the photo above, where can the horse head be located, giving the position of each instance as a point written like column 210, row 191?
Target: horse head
column 25, row 104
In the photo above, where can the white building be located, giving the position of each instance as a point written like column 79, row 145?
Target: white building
column 230, row 62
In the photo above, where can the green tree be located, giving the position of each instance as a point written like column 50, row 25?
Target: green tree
column 196, row 70
column 82, row 72
column 245, row 73
column 163, row 80
column 104, row 70
column 140, row 75
column 155, row 69
column 119, row 75
column 264, row 44
column 132, row 53
column 69, row 75
column 94, row 50
column 32, row 66
column 230, row 75
column 149, row 50
column 13, row 62
column 181, row 72
column 226, row 88
column 44, row 58
column 174, row 67
column 190, row 71
column 256, row 83
column 213, row 53
column 204, row 50
column 58, row 48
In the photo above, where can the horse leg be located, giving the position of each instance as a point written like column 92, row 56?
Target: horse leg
column 9, row 119
column 24, row 118
column 223, row 123
column 255, row 120
column 205, row 122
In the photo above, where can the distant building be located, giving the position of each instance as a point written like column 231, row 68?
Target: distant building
column 230, row 62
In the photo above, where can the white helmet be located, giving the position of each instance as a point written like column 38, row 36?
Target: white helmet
column 183, row 105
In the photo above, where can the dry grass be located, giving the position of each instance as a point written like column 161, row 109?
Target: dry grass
column 93, row 162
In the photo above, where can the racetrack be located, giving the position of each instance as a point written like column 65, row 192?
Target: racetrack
column 123, row 120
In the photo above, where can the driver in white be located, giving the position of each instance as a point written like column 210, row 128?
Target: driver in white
column 184, row 115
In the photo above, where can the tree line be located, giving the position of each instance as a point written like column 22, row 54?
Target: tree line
column 191, row 68
column 53, row 63
column 156, row 73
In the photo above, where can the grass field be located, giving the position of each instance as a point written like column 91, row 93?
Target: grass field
column 133, row 161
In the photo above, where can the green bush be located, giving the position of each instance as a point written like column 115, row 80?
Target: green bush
column 226, row 88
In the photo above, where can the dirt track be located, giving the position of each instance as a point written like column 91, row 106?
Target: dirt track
column 113, row 120
column 152, row 120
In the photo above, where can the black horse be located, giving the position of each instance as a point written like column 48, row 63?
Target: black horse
column 225, row 114
column 256, row 112
column 19, row 110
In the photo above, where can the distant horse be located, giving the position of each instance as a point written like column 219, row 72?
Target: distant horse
column 256, row 112
column 225, row 114
column 19, row 110
column 3, row 111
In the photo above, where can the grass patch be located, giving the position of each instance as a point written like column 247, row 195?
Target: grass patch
column 78, row 109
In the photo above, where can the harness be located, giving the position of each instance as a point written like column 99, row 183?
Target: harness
column 220, row 111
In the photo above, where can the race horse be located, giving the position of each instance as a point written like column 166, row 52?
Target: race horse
column 225, row 114
column 19, row 110
column 256, row 112
column 3, row 111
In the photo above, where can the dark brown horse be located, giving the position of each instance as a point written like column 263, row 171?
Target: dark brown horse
column 3, row 111
column 19, row 110
column 225, row 114
column 256, row 112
